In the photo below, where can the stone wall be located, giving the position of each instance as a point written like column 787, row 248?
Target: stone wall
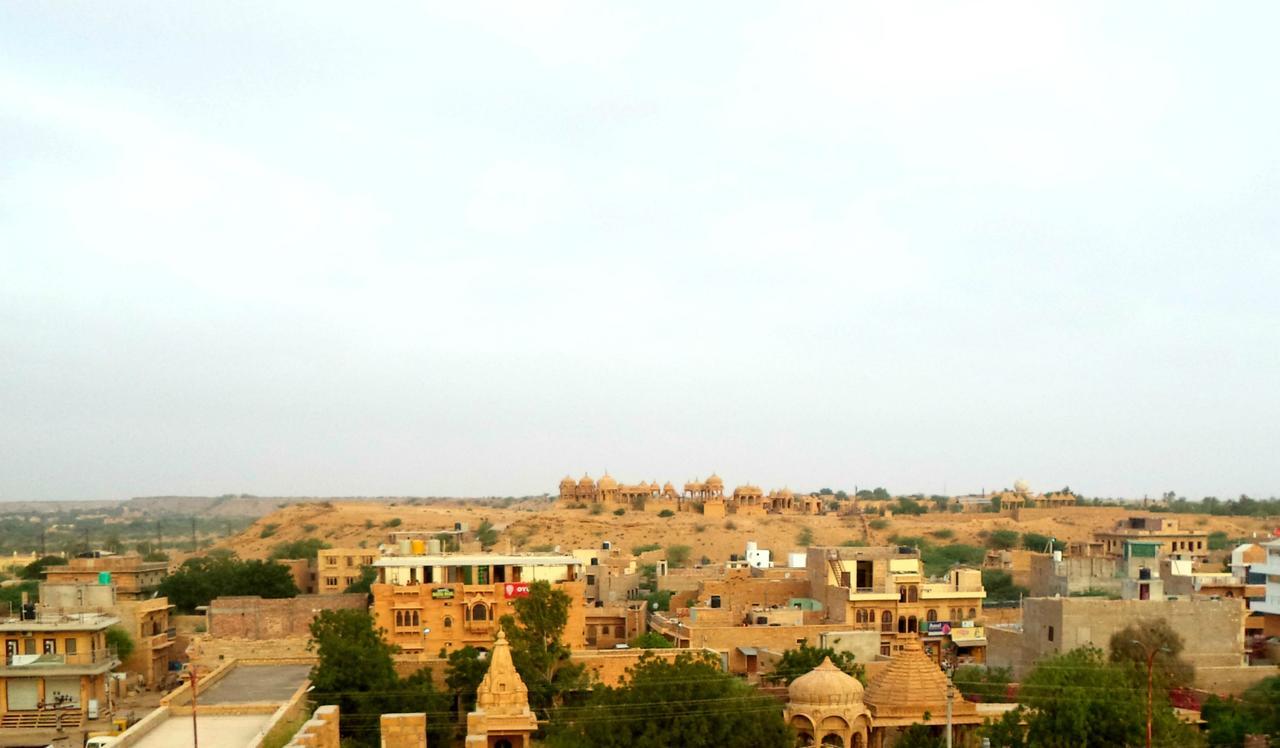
column 253, row 617
column 1213, row 630
column 321, row 731
column 404, row 730
column 1073, row 574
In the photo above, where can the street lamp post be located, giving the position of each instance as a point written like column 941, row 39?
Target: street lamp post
column 1151, row 661
column 951, row 696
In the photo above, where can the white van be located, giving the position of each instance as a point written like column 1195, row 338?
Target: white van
column 102, row 741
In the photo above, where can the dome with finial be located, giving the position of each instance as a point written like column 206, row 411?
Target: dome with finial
column 586, row 481
column 715, row 480
column 567, row 482
column 825, row 685
column 1021, row 486
column 607, row 482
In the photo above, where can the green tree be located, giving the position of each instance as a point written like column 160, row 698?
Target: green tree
column 689, row 702
column 1256, row 712
column 368, row 575
column 987, row 684
column 678, row 555
column 921, row 736
column 1078, row 699
column 804, row 538
column 537, row 647
column 1034, row 541
column 356, row 672
column 796, row 662
column 305, row 548
column 36, row 569
column 199, row 580
column 1154, row 638
column 486, row 534
column 119, row 640
column 466, row 669
column 999, row 586
column 1002, row 540
column 1008, row 731
column 650, row 640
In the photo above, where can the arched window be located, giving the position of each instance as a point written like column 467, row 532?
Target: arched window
column 902, row 594
column 860, row 616
column 911, row 625
column 932, row 615
column 479, row 612
column 902, row 625
column 831, row 740
column 448, row 622
column 886, row 621
column 973, row 613
column 912, row 594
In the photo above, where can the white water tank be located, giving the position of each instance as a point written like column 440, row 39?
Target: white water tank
column 796, row 560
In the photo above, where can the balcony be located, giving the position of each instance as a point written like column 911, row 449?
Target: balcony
column 158, row 641
column 96, row 660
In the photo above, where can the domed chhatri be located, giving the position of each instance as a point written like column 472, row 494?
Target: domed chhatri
column 825, row 685
column 606, row 482
column 824, row 706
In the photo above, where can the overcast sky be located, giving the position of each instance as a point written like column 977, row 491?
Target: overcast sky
column 403, row 248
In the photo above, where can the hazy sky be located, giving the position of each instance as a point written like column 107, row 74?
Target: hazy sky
column 404, row 248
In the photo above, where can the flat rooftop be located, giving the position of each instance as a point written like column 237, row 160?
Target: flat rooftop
column 478, row 559
column 255, row 684
column 55, row 622
column 216, row 731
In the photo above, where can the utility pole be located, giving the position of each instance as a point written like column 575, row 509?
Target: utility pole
column 1151, row 661
column 951, row 696
column 195, row 727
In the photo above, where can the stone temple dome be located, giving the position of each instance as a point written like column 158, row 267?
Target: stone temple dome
column 607, row 481
column 910, row 685
column 715, row 480
column 1021, row 486
column 825, row 685
column 586, row 482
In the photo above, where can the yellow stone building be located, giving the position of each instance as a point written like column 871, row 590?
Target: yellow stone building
column 884, row 589
column 55, row 669
column 426, row 603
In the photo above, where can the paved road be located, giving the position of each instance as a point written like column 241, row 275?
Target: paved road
column 248, row 684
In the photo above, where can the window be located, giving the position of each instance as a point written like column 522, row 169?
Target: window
column 69, row 645
column 351, row 560
column 479, row 612
column 902, row 594
column 1050, row 633
column 715, row 601
column 973, row 613
column 331, row 581
column 931, row 616
column 330, row 560
column 50, row 646
column 448, row 622
column 886, row 621
column 912, row 594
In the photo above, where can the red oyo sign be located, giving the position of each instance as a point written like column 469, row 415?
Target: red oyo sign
column 516, row 589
